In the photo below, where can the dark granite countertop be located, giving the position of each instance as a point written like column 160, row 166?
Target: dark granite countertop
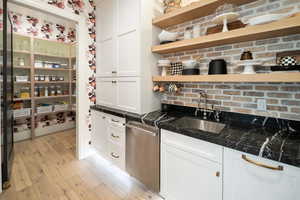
column 244, row 133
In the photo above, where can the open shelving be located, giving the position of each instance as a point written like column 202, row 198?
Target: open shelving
column 279, row 28
column 193, row 11
column 27, row 47
column 250, row 78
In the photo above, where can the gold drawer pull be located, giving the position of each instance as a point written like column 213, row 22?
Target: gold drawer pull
column 218, row 174
column 115, row 156
column 279, row 168
column 115, row 136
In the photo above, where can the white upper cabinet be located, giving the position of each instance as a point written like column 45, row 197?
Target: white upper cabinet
column 106, row 44
column 128, row 61
column 105, row 92
column 124, row 40
column 128, row 94
column 128, row 12
column 118, row 43
column 106, row 59
column 105, row 20
column 246, row 178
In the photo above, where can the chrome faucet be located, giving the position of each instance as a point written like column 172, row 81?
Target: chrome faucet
column 202, row 94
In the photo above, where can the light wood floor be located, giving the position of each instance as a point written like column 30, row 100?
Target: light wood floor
column 46, row 169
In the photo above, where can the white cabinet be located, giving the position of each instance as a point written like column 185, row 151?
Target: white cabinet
column 100, row 125
column 128, row 12
column 124, row 40
column 106, row 91
column 120, row 93
column 108, row 137
column 128, row 94
column 106, row 44
column 190, row 168
column 243, row 179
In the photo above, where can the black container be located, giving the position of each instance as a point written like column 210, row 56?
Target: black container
column 218, row 66
column 191, row 71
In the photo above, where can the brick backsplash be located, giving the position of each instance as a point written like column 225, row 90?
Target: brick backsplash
column 283, row 99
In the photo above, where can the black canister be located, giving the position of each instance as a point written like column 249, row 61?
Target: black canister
column 218, row 66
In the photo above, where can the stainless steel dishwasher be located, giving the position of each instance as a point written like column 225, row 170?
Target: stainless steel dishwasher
column 143, row 154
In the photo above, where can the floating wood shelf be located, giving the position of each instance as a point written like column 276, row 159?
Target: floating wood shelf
column 251, row 78
column 282, row 27
column 193, row 11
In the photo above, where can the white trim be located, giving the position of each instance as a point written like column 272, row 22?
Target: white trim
column 82, row 146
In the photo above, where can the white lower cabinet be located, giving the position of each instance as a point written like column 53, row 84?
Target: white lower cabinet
column 100, row 127
column 190, row 168
column 108, row 137
column 246, row 178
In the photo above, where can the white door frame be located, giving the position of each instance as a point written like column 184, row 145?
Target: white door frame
column 82, row 107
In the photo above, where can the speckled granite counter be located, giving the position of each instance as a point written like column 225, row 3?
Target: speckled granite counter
column 240, row 132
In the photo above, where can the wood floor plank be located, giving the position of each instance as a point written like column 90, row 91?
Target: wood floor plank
column 46, row 169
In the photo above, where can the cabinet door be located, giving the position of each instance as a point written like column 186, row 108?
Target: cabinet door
column 247, row 181
column 106, row 58
column 128, row 94
column 106, row 92
column 128, row 15
column 128, row 51
column 106, row 38
column 100, row 125
column 185, row 175
column 105, row 20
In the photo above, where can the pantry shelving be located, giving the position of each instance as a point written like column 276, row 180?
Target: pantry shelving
column 193, row 11
column 31, row 52
column 278, row 28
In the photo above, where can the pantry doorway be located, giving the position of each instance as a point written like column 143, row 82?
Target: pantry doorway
column 77, row 53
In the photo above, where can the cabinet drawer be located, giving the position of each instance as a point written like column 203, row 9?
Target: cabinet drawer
column 117, row 121
column 198, row 147
column 117, row 155
column 116, row 135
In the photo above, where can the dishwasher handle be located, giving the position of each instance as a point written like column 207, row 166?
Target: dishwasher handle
column 151, row 133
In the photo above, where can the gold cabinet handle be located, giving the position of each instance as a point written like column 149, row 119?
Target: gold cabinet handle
column 115, row 156
column 279, row 168
column 115, row 136
column 218, row 174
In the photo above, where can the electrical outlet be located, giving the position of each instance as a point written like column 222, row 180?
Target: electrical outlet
column 262, row 104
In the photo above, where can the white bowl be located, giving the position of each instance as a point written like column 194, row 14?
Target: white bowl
column 166, row 36
column 187, row 64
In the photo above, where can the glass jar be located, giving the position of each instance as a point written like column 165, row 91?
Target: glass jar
column 58, row 90
column 53, row 78
column 52, row 91
column 46, row 92
column 36, row 77
column 42, row 91
column 36, row 91
column 47, row 78
column 24, row 92
column 42, row 78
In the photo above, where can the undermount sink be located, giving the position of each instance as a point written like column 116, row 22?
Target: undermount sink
column 198, row 124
